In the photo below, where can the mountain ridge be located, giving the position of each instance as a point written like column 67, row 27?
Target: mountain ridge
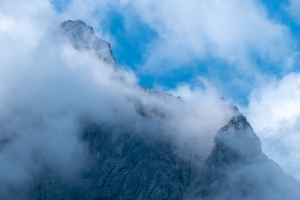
column 83, row 37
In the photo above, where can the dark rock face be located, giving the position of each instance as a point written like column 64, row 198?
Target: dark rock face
column 131, row 166
column 83, row 36
column 120, row 165
column 123, row 164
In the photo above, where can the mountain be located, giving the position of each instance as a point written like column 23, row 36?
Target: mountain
column 126, row 163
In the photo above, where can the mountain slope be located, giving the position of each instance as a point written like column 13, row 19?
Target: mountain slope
column 238, row 169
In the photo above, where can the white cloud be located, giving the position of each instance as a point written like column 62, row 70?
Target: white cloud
column 203, row 113
column 46, row 86
column 274, row 113
column 233, row 31
column 293, row 9
column 237, row 32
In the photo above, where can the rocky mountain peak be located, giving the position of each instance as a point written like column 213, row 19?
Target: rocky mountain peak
column 236, row 139
column 235, row 158
column 83, row 37
column 238, row 122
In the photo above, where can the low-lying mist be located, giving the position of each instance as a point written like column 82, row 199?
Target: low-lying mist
column 47, row 87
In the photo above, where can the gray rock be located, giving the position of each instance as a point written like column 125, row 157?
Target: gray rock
column 83, row 37
column 124, row 164
column 238, row 169
column 132, row 166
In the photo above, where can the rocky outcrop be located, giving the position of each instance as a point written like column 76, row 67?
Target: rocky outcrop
column 83, row 37
column 134, row 166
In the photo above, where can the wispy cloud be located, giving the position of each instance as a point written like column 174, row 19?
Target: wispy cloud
column 293, row 8
column 47, row 86
column 234, row 31
column 247, row 45
column 274, row 112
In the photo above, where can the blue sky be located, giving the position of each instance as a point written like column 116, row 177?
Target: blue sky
column 132, row 43
column 131, row 46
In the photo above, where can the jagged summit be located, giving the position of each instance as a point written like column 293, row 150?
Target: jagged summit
column 235, row 142
column 83, row 37
column 239, row 136
column 238, row 169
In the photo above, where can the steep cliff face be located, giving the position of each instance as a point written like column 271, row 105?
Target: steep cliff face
column 127, row 165
column 133, row 166
column 120, row 164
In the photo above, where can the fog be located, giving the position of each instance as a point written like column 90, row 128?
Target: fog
column 47, row 86
column 274, row 111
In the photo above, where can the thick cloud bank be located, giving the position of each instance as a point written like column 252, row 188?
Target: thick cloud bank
column 47, row 87
column 236, row 32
